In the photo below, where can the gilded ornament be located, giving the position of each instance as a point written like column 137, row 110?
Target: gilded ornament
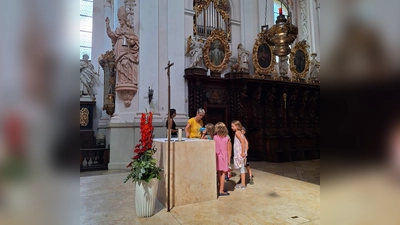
column 84, row 117
column 299, row 60
column 216, row 51
column 263, row 59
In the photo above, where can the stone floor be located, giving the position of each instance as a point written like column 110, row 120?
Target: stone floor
column 283, row 193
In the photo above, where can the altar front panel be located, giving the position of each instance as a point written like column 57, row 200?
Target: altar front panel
column 193, row 171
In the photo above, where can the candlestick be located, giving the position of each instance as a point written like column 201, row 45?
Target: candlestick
column 179, row 134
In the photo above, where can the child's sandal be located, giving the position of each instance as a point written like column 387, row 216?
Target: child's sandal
column 223, row 194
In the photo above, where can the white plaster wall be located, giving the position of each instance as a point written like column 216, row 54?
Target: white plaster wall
column 122, row 144
column 97, row 49
column 162, row 27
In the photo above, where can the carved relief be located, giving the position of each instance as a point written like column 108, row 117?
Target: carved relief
column 292, row 108
column 127, row 96
column 130, row 7
column 84, row 117
column 302, row 109
column 216, row 96
column 271, row 109
column 107, row 62
column 303, row 17
column 256, row 106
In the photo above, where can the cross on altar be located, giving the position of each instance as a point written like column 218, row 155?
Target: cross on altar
column 169, row 133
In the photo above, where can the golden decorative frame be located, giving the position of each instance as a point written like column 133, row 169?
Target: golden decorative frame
column 299, row 46
column 219, row 35
column 259, row 70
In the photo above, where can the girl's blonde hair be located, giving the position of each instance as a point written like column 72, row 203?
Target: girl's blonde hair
column 237, row 124
column 220, row 129
column 210, row 130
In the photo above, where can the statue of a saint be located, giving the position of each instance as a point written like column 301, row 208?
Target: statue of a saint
column 243, row 56
column 126, row 49
column 283, row 65
column 195, row 50
column 87, row 77
column 314, row 67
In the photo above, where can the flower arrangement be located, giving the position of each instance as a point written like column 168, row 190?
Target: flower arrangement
column 143, row 165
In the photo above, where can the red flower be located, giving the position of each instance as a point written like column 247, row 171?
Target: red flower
column 146, row 140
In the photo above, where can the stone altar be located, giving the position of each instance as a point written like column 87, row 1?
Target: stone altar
column 193, row 171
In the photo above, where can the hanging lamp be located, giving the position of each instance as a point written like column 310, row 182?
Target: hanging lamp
column 282, row 34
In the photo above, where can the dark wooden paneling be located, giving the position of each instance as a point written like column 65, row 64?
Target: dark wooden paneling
column 277, row 130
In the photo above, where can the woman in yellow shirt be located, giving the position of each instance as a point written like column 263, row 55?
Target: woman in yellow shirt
column 194, row 124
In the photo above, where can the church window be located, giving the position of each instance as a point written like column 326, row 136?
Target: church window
column 86, row 24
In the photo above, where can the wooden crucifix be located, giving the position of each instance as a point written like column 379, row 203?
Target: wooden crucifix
column 169, row 134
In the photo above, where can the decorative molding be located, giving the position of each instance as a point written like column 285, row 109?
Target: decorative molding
column 126, row 95
column 235, row 22
column 108, row 3
column 318, row 3
column 304, row 20
column 130, row 9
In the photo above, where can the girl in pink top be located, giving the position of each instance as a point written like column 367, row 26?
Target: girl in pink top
column 223, row 149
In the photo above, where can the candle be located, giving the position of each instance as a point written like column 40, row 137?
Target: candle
column 280, row 11
column 179, row 134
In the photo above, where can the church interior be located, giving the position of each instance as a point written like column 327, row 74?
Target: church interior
column 253, row 61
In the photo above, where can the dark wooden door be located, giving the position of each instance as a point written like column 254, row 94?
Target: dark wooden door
column 215, row 115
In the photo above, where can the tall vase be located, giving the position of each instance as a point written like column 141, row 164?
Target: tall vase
column 145, row 197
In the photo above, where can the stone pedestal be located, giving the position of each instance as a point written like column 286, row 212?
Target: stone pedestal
column 193, row 171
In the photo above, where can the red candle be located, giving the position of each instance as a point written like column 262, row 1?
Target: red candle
column 280, row 11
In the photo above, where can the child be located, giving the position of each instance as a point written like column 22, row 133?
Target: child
column 223, row 154
column 209, row 132
column 239, row 146
column 251, row 181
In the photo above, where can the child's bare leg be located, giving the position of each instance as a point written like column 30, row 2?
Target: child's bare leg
column 249, row 171
column 243, row 179
column 221, row 178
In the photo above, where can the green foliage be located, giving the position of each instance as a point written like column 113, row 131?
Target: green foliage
column 144, row 168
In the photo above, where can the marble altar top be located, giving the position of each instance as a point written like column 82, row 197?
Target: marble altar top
column 176, row 139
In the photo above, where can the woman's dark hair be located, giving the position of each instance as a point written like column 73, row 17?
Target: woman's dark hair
column 172, row 111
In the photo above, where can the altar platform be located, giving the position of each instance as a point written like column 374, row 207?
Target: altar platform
column 193, row 171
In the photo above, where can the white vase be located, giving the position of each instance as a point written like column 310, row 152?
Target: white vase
column 145, row 197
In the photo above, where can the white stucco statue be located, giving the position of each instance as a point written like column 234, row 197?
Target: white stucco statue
column 314, row 67
column 243, row 57
column 283, row 65
column 88, row 76
column 195, row 51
